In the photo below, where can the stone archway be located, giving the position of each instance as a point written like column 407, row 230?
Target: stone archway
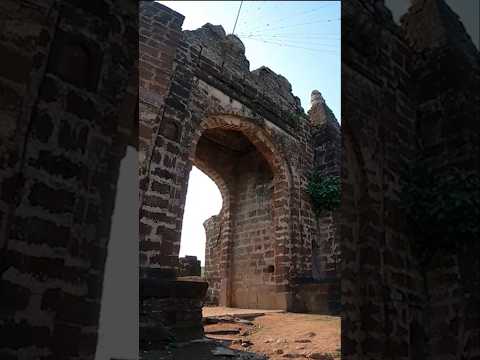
column 246, row 242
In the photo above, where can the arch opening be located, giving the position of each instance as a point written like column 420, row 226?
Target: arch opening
column 203, row 201
column 245, row 241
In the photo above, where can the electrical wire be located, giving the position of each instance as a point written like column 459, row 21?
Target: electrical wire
column 331, row 41
column 298, row 47
column 275, row 21
column 238, row 14
column 307, row 23
column 293, row 42
column 296, row 35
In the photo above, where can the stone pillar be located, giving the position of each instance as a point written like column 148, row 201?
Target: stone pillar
column 170, row 308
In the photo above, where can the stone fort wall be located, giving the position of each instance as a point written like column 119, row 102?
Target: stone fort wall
column 247, row 131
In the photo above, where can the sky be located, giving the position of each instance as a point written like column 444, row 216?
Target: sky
column 274, row 33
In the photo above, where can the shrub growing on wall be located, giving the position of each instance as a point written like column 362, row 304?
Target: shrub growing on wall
column 445, row 210
column 324, row 192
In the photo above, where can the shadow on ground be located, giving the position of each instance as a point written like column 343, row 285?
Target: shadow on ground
column 202, row 349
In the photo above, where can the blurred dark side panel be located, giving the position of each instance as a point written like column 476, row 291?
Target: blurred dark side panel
column 410, row 98
column 68, row 98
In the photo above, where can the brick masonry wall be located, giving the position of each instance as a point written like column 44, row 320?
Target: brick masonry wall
column 253, row 251
column 217, row 228
column 168, row 308
column 447, row 75
column 159, row 35
column 189, row 266
column 69, row 82
column 214, row 227
column 326, row 138
column 382, row 290
column 213, row 88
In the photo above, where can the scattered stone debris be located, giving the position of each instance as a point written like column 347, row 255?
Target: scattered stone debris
column 265, row 335
column 222, row 351
column 229, row 319
column 246, row 343
column 303, row 340
column 321, row 356
column 252, row 356
column 202, row 340
column 223, row 332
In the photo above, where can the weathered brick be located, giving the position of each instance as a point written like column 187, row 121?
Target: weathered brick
column 14, row 297
column 81, row 107
column 10, row 99
column 78, row 310
column 160, row 188
column 40, row 231
column 73, row 136
column 54, row 200
column 15, row 66
column 60, row 166
column 16, row 335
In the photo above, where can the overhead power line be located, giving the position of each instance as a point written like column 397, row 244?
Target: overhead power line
column 238, row 13
column 296, row 35
column 289, row 17
column 327, row 51
column 294, row 41
column 294, row 25
column 294, row 38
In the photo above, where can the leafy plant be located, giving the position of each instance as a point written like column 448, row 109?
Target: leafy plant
column 324, row 192
column 444, row 209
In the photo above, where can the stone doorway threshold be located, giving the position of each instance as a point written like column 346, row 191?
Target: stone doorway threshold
column 210, row 311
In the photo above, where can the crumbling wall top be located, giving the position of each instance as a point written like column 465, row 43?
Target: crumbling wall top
column 228, row 53
column 432, row 24
column 320, row 114
column 218, row 46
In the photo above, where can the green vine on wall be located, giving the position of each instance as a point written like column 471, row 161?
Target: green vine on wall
column 324, row 192
column 444, row 210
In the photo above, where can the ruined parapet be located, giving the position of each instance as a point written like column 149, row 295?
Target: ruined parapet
column 277, row 85
column 216, row 45
column 170, row 309
column 431, row 24
column 317, row 113
column 326, row 136
column 189, row 266
column 226, row 53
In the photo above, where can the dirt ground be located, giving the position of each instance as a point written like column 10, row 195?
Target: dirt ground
column 280, row 335
column 245, row 334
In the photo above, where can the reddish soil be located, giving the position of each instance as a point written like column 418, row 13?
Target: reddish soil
column 284, row 335
column 271, row 336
